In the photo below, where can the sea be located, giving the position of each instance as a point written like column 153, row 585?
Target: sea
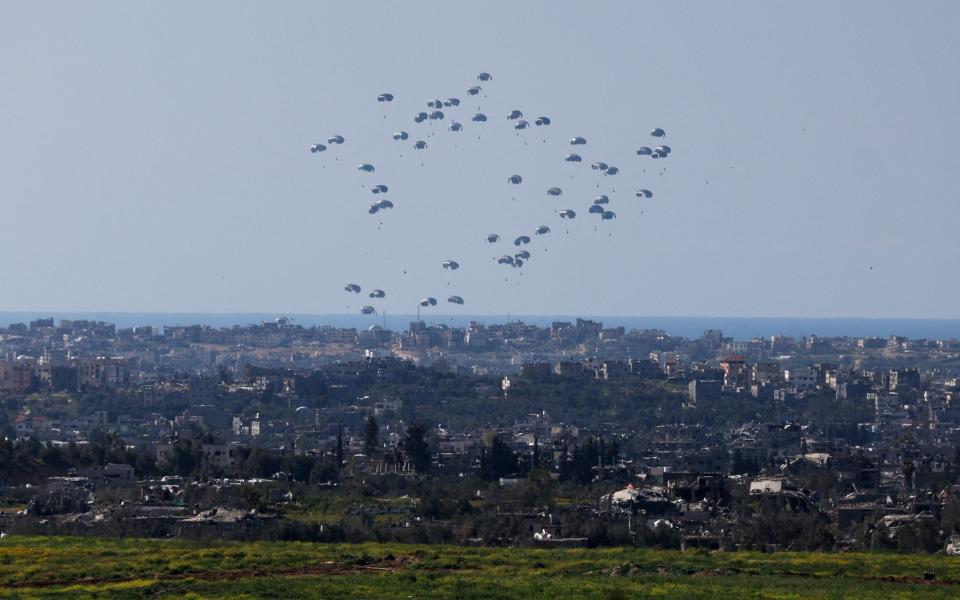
column 739, row 328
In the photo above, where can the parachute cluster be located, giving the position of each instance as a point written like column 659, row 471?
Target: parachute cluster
column 517, row 259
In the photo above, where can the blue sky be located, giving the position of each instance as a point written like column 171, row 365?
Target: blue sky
column 154, row 156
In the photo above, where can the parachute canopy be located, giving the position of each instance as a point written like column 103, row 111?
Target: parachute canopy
column 473, row 90
column 335, row 139
column 521, row 124
column 572, row 158
column 379, row 189
column 317, row 148
column 611, row 171
column 436, row 115
column 366, row 167
column 543, row 229
column 484, row 77
column 454, row 126
column 601, row 199
column 451, row 102
column 419, row 144
column 420, row 117
column 658, row 132
column 400, row 136
column 378, row 294
column 644, row 194
column 385, row 98
column 514, row 114
column 455, row 300
column 578, row 141
column 451, row 264
column 608, row 215
column 479, row 118
column 352, row 287
column 596, row 209
column 523, row 239
column 599, row 166
column 542, row 121
column 568, row 214
column 368, row 310
column 554, row 191
column 492, row 238
column 515, row 179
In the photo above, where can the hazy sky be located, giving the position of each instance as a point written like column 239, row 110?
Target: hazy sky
column 154, row 156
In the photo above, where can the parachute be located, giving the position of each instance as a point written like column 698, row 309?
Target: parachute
column 454, row 126
column 608, row 215
column 599, row 166
column 335, row 139
column 543, row 229
column 436, row 115
column 366, row 167
column 554, row 191
column 455, row 300
column 435, row 104
column 379, row 189
column 506, row 259
column 451, row 102
column 385, row 98
column 428, row 302
column 378, row 294
column 420, row 117
column 352, row 287
column 521, row 125
column 401, row 136
column 522, row 255
column 484, row 77
column 663, row 150
column 572, row 158
column 479, row 118
column 542, row 121
column 602, row 199
column 596, row 209
column 492, row 238
column 385, row 204
column 317, row 148
column 523, row 239
column 514, row 114
column 419, row 145
column 568, row 214
column 658, row 132
column 515, row 179
column 644, row 194
column 451, row 264
column 644, row 151
column 474, row 90
column 611, row 171
column 578, row 141
column 368, row 310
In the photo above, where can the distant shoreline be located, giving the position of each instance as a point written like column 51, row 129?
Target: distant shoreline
column 739, row 328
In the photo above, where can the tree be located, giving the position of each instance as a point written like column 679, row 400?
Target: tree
column 370, row 441
column 416, row 448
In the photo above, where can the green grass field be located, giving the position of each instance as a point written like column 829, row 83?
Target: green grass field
column 48, row 567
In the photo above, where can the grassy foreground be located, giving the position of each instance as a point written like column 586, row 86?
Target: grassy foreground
column 57, row 567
